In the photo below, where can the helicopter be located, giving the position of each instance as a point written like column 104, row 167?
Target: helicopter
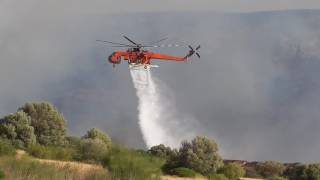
column 137, row 55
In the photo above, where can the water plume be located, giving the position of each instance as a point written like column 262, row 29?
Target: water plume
column 158, row 119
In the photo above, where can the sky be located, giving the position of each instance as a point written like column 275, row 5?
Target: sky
column 255, row 89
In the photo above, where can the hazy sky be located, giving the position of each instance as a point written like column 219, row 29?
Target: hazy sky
column 125, row 6
column 255, row 89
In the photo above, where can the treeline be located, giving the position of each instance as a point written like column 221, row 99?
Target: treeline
column 40, row 129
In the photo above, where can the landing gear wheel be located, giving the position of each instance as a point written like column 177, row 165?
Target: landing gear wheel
column 145, row 67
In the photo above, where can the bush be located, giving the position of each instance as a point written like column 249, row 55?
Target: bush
column 214, row 176
column 96, row 133
column 296, row 172
column 183, row 172
column 51, row 152
column 93, row 150
column 6, row 148
column 251, row 172
column 48, row 122
column 163, row 151
column 313, row 172
column 128, row 164
column 2, row 176
column 232, row 171
column 201, row 155
column 270, row 168
column 276, row 178
column 17, row 129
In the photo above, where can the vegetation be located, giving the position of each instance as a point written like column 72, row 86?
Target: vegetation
column 93, row 150
column 96, row 133
column 39, row 128
column 214, row 176
column 2, row 176
column 6, row 149
column 52, row 152
column 183, row 172
column 17, row 129
column 233, row 171
column 201, row 155
column 276, row 178
column 270, row 168
column 163, row 151
column 47, row 121
column 129, row 164
column 303, row 172
column 29, row 169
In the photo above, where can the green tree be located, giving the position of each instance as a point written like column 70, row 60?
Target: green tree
column 96, row 133
column 93, row 150
column 163, row 151
column 270, row 168
column 233, row 171
column 313, row 172
column 17, row 129
column 201, row 155
column 48, row 122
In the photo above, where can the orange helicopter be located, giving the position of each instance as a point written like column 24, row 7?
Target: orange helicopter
column 137, row 56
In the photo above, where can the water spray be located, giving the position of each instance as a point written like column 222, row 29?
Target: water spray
column 156, row 119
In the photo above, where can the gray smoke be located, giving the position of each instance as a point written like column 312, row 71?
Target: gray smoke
column 255, row 89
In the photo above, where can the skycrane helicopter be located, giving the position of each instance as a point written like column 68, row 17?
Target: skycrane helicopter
column 137, row 56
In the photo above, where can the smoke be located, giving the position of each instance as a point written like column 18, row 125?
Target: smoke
column 158, row 119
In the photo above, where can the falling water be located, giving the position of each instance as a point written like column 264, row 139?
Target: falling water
column 156, row 118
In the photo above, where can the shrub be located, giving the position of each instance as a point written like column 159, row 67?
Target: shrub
column 17, row 129
column 48, row 122
column 163, row 151
column 232, row 171
column 129, row 164
column 296, row 172
column 93, row 150
column 313, row 172
column 6, row 148
column 96, row 133
column 2, row 176
column 251, row 172
column 51, row 152
column 183, row 172
column 214, row 176
column 276, row 178
column 201, row 155
column 270, row 168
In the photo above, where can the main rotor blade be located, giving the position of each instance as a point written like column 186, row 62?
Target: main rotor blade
column 113, row 43
column 130, row 40
column 165, row 45
column 122, row 46
column 198, row 55
column 158, row 41
column 198, row 47
column 190, row 47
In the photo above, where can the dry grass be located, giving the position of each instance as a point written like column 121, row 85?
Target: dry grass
column 181, row 178
column 24, row 167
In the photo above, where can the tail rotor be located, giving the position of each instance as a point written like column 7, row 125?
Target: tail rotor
column 193, row 51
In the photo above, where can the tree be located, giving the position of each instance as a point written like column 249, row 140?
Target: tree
column 48, row 123
column 93, row 150
column 233, row 171
column 201, row 155
column 270, row 168
column 313, row 172
column 162, row 151
column 17, row 129
column 96, row 133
